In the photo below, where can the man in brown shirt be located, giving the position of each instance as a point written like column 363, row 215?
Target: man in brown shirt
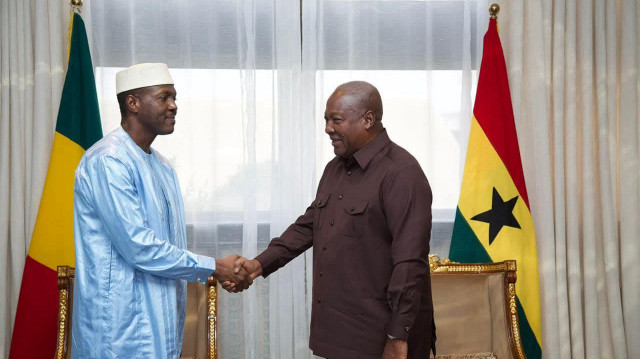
column 369, row 227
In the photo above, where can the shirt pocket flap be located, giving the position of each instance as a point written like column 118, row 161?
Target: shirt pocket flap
column 322, row 199
column 355, row 206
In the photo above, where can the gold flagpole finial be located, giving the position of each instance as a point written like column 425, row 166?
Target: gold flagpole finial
column 76, row 5
column 494, row 9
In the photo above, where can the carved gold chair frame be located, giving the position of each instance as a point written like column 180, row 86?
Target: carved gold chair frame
column 508, row 267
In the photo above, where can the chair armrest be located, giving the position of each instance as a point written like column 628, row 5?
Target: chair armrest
column 65, row 307
column 212, row 317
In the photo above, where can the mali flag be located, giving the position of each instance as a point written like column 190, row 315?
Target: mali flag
column 493, row 220
column 77, row 128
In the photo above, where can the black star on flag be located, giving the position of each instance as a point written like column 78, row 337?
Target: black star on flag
column 500, row 215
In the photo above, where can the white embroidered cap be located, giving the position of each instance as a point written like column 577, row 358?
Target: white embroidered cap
column 142, row 75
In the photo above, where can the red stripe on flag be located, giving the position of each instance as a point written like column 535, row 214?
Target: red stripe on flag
column 493, row 109
column 34, row 333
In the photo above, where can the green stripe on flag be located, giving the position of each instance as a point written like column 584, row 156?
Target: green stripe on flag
column 465, row 245
column 79, row 117
column 529, row 342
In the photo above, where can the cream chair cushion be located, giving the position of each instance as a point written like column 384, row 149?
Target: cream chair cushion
column 473, row 310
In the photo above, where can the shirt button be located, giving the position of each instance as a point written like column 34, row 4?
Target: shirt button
column 407, row 329
column 321, row 272
column 340, row 197
column 331, row 223
column 349, row 173
column 324, row 248
column 318, row 300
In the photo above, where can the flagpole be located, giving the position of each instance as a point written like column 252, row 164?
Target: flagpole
column 494, row 9
column 76, row 7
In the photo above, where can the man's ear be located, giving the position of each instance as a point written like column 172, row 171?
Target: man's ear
column 133, row 103
column 369, row 120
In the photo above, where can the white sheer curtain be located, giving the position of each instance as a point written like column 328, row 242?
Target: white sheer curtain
column 573, row 71
column 294, row 182
column 243, row 147
column 32, row 65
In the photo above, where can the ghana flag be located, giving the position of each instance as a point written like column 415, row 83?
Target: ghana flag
column 77, row 128
column 493, row 219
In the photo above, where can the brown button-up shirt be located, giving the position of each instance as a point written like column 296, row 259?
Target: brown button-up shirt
column 369, row 227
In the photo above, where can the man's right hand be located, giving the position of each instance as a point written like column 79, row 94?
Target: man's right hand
column 253, row 267
column 226, row 273
column 395, row 349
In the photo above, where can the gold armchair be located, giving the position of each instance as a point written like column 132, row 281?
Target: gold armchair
column 475, row 309
column 200, row 322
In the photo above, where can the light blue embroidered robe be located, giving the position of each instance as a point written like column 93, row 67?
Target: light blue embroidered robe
column 131, row 258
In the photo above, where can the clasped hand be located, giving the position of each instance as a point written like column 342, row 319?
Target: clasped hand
column 236, row 273
column 239, row 279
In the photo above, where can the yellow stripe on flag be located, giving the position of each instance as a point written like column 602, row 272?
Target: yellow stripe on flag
column 52, row 240
column 510, row 243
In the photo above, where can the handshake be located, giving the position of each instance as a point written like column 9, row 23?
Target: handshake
column 236, row 273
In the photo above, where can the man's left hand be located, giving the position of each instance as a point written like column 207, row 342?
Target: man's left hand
column 395, row 349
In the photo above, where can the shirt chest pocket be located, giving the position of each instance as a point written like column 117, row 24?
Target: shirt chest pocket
column 320, row 210
column 352, row 218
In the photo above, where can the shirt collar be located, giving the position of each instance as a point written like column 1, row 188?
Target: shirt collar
column 122, row 133
column 364, row 155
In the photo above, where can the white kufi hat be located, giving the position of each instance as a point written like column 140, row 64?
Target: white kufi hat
column 142, row 75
